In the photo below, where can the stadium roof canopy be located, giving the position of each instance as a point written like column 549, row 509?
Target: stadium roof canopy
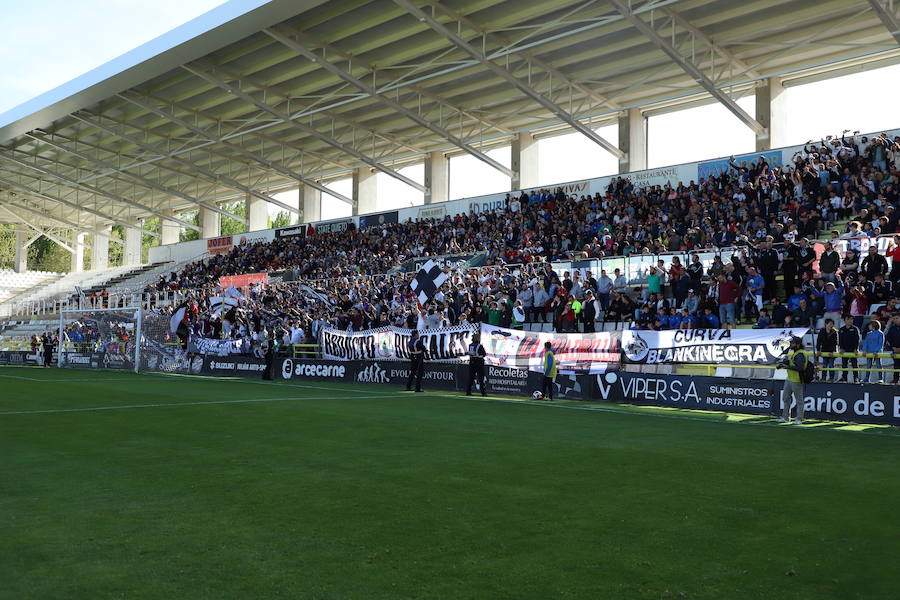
column 256, row 96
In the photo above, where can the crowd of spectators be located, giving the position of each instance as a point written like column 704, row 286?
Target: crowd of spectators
column 763, row 219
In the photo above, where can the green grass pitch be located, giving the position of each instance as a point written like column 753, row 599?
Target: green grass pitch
column 114, row 485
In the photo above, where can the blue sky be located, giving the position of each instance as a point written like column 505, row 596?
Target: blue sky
column 49, row 42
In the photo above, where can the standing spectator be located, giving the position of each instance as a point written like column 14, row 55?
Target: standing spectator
column 849, row 339
column 892, row 343
column 729, row 292
column 872, row 344
column 829, row 263
column 832, row 299
column 789, row 266
column 894, row 252
column 755, row 285
column 874, row 264
column 589, row 312
column 827, row 342
column 604, row 288
column 768, row 263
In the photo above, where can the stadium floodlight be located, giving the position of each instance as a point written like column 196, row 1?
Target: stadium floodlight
column 100, row 338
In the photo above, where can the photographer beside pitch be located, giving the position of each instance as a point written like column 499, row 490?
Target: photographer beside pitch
column 796, row 363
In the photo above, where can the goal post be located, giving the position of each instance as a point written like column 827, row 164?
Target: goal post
column 100, row 338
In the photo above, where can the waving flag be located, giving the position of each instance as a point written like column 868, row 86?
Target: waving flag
column 428, row 280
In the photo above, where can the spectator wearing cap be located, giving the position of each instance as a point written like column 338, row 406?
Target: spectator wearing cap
column 833, row 300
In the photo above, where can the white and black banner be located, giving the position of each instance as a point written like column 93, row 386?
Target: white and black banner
column 392, row 343
column 715, row 346
column 576, row 353
column 212, row 347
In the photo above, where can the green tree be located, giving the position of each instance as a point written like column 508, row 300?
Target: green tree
column 230, row 226
column 193, row 217
column 117, row 251
column 153, row 224
column 282, row 219
column 46, row 255
column 7, row 246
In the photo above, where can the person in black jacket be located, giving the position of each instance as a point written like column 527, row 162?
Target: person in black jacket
column 829, row 263
column 789, row 267
column 589, row 312
column 873, row 264
column 476, row 354
column 416, row 349
column 892, row 341
column 848, row 341
column 767, row 261
column 827, row 341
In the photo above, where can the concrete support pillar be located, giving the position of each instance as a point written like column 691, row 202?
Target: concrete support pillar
column 310, row 204
column 257, row 213
column 170, row 231
column 437, row 177
column 21, row 264
column 632, row 140
column 77, row 244
column 210, row 222
column 365, row 191
column 524, row 162
column 133, row 243
column 100, row 249
column 770, row 112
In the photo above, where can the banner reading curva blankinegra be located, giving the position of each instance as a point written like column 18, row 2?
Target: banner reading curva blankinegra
column 725, row 346
column 391, row 343
column 577, row 353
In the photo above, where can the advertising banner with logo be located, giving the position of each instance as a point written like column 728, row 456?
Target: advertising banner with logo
column 441, row 376
column 333, row 226
column 314, row 370
column 292, row 231
column 725, row 346
column 391, row 343
column 878, row 404
column 242, row 281
column 577, row 353
column 385, row 218
column 234, row 366
column 683, row 391
column 23, row 357
column 219, row 245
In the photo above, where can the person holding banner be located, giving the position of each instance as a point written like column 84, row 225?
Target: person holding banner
column 550, row 365
column 417, row 361
column 476, row 365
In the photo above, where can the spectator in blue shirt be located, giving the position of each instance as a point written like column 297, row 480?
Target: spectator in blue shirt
column 763, row 322
column 872, row 343
column 793, row 302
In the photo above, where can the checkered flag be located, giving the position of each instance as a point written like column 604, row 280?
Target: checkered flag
column 429, row 278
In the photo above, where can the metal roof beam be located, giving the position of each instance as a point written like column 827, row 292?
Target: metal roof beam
column 146, row 105
column 77, row 207
column 510, row 78
column 31, row 225
column 96, row 191
column 529, row 57
column 721, row 51
column 343, row 75
column 888, row 16
column 215, row 177
column 140, row 180
column 265, row 107
column 688, row 67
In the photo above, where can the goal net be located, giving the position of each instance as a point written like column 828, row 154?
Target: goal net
column 122, row 338
column 105, row 338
